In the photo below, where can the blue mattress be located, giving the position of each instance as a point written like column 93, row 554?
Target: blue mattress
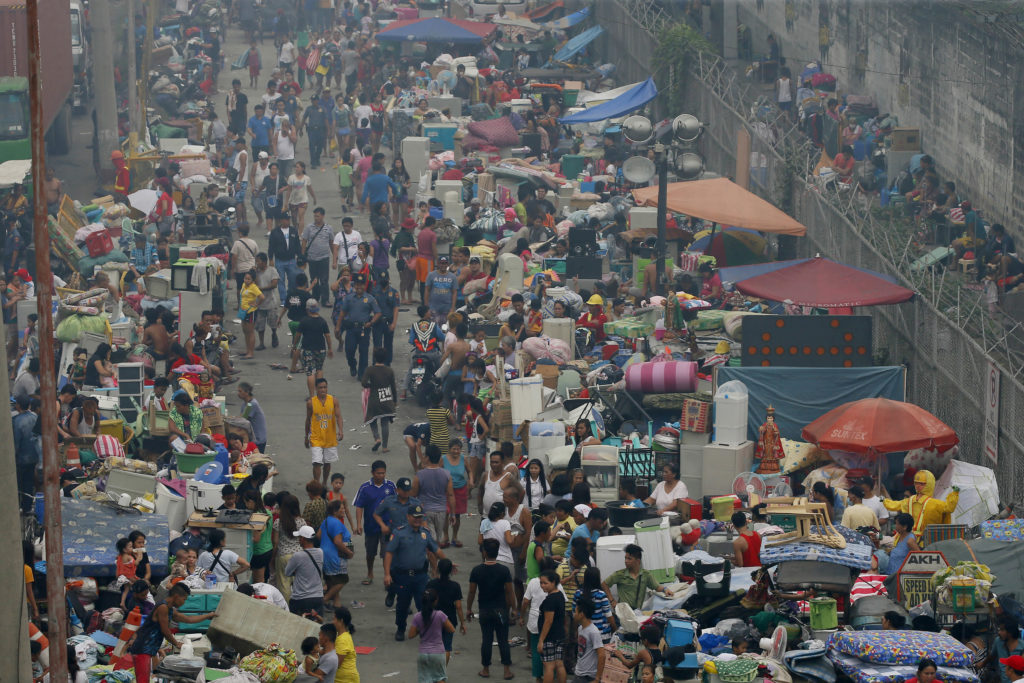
column 91, row 531
column 856, row 555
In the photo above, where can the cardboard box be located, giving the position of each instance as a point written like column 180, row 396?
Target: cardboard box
column 696, row 415
column 212, row 417
column 906, row 140
column 550, row 374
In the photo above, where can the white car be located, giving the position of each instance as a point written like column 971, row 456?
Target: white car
column 482, row 9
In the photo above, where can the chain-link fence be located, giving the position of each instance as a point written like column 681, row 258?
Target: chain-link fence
column 948, row 337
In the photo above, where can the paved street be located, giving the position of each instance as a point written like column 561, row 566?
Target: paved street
column 284, row 403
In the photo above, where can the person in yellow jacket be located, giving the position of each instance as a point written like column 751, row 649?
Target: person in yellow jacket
column 922, row 506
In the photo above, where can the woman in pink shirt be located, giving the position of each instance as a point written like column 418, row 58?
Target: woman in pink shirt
column 362, row 169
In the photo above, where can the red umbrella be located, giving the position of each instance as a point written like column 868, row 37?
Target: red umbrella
column 879, row 425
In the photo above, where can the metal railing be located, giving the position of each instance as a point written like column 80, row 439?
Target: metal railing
column 949, row 336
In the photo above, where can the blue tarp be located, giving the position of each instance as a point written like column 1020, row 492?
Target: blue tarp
column 631, row 100
column 802, row 395
column 437, row 30
column 567, row 21
column 576, row 44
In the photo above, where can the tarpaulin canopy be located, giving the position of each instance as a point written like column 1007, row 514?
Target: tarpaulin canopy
column 801, row 395
column 437, row 30
column 725, row 202
column 567, row 21
column 821, row 283
column 586, row 97
column 631, row 100
column 541, row 13
column 576, row 44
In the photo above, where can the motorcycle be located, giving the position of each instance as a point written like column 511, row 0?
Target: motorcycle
column 422, row 382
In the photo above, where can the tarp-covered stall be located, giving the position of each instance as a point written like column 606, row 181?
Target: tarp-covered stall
column 802, row 395
column 437, row 30
column 630, row 100
column 724, row 202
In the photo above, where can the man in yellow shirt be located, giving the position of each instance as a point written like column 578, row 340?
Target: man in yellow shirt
column 857, row 514
column 324, row 429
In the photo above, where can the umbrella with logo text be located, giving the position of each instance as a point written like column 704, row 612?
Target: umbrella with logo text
column 877, row 426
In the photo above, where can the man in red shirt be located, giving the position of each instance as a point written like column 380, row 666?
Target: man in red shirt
column 594, row 318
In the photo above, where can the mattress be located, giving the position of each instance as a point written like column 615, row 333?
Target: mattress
column 901, row 648
column 856, row 555
column 91, row 531
column 862, row 672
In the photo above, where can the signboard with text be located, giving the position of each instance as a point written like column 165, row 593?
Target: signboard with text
column 914, row 578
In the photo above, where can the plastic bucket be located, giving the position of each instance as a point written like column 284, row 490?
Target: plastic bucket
column 963, row 595
column 722, row 507
column 823, row 614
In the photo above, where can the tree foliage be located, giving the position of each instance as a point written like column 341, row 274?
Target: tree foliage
column 677, row 43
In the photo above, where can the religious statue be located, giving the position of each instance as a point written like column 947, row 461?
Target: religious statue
column 769, row 445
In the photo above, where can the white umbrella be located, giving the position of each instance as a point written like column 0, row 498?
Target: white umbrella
column 144, row 200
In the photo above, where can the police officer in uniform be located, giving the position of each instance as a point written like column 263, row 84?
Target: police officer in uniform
column 405, row 565
column 384, row 329
column 391, row 515
column 359, row 311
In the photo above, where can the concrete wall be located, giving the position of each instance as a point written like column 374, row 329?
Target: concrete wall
column 932, row 65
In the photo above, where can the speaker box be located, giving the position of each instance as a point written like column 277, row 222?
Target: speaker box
column 584, row 267
column 582, row 242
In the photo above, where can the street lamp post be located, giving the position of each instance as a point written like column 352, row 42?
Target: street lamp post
column 686, row 129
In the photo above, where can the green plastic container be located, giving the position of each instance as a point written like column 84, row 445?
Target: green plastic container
column 823, row 614
column 188, row 463
column 572, row 164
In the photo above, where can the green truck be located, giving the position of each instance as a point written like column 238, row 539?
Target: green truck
column 57, row 73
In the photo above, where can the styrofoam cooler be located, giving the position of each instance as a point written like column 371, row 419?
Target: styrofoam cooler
column 611, row 553
column 731, row 413
column 653, row 536
column 526, row 394
column 560, row 328
column 545, row 436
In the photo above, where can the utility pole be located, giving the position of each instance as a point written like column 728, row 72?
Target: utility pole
column 103, row 80
column 56, row 606
column 661, row 157
column 14, row 647
column 133, row 78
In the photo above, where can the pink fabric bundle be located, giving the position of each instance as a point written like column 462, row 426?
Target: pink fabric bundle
column 662, row 378
column 498, row 132
column 546, row 347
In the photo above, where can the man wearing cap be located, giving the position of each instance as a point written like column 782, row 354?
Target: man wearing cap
column 440, row 292
column 1014, row 667
column 314, row 338
column 390, row 515
column 306, row 568
column 594, row 319
column 359, row 312
column 1008, row 645
column 406, row 564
